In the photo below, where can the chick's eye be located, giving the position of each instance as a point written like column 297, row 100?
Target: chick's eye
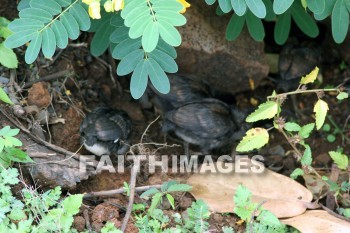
column 116, row 140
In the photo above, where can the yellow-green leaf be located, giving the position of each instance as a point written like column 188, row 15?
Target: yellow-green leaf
column 342, row 95
column 254, row 139
column 340, row 159
column 265, row 111
column 321, row 109
column 4, row 97
column 310, row 78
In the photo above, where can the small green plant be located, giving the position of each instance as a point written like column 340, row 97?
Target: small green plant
column 265, row 221
column 333, row 130
column 110, row 228
column 7, row 57
column 9, row 151
column 166, row 190
column 38, row 212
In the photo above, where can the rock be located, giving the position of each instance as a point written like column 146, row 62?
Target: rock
column 39, row 95
column 206, row 53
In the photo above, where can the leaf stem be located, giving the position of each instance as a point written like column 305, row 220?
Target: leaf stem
column 152, row 11
column 298, row 91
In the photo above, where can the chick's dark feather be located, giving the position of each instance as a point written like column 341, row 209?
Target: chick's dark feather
column 208, row 123
column 105, row 127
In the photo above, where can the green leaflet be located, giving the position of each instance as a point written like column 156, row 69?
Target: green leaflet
column 169, row 34
column 225, row 5
column 280, row 7
column 255, row 27
column 81, row 16
column 33, row 48
column 239, row 6
column 125, row 48
column 166, row 62
column 340, row 21
column 316, row 6
column 257, row 7
column 50, row 6
column 129, row 62
column 49, row 43
column 120, row 34
column 150, row 36
column 60, row 34
column 234, row 27
column 71, row 25
column 304, row 21
column 158, row 78
column 282, row 28
column 139, row 80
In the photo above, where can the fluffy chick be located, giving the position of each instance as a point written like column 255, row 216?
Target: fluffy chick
column 104, row 131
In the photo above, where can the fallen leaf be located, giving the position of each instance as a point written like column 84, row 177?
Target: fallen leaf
column 284, row 197
column 318, row 221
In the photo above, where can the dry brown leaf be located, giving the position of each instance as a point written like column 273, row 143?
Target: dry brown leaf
column 318, row 221
column 316, row 185
column 284, row 197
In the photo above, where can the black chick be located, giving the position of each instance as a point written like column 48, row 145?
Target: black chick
column 183, row 89
column 104, row 131
column 294, row 62
column 209, row 124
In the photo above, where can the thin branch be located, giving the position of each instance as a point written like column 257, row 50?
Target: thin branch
column 50, row 77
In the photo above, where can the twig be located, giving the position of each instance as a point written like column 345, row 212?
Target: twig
column 149, row 125
column 50, row 77
column 87, row 220
column 119, row 191
column 253, row 215
column 132, row 185
column 334, row 214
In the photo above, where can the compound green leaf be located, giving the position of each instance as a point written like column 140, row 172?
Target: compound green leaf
column 33, row 48
column 141, row 22
column 225, row 5
column 150, row 36
column 81, row 16
column 316, row 6
column 25, row 24
column 327, row 11
column 49, row 43
column 255, row 27
column 281, row 6
column 129, row 62
column 119, row 34
column 164, row 60
column 139, row 80
column 234, row 27
column 173, row 18
column 158, row 77
column 63, row 3
column 257, row 7
column 35, row 13
column 100, row 41
column 254, row 139
column 282, row 28
column 60, row 34
column 168, row 49
column 169, row 34
column 304, row 21
column 239, row 6
column 135, row 14
column 19, row 38
column 48, row 5
column 173, row 6
column 126, row 47
column 7, row 58
column 340, row 21
column 71, row 25
column 265, row 110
